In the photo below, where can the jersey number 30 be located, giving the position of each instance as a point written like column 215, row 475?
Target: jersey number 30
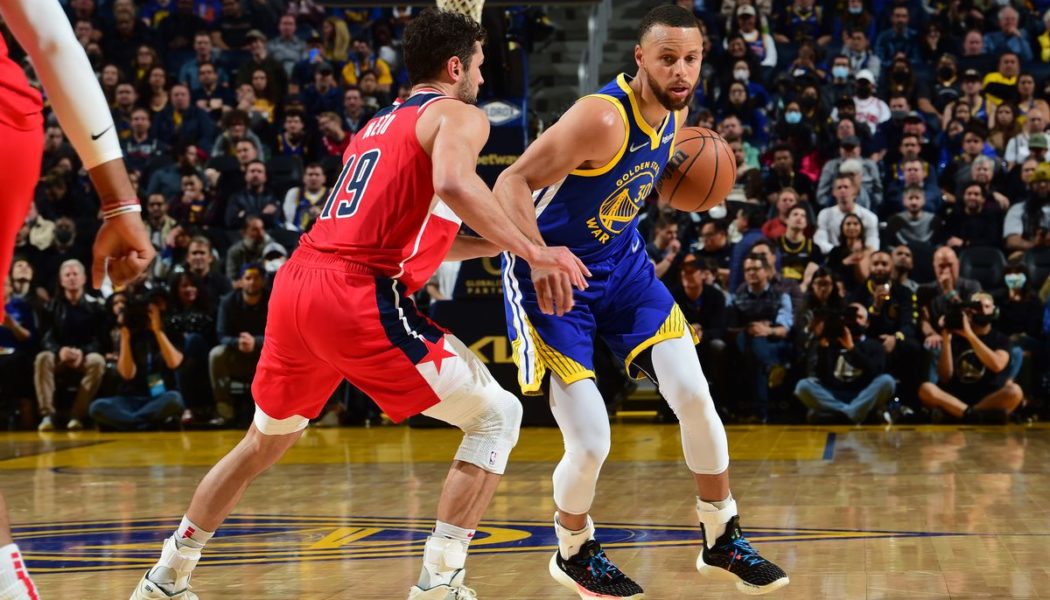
column 353, row 181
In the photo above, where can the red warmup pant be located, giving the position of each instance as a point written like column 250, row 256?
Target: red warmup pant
column 21, row 152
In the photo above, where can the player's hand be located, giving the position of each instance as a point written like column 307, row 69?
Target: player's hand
column 561, row 259
column 123, row 240
column 553, row 291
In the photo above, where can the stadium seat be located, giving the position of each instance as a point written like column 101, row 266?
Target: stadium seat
column 985, row 264
column 1038, row 262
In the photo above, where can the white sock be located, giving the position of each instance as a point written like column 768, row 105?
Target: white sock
column 569, row 541
column 14, row 578
column 191, row 535
column 714, row 516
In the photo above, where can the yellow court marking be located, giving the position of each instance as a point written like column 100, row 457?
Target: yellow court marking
column 391, row 444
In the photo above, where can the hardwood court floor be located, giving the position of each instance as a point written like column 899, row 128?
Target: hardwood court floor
column 849, row 512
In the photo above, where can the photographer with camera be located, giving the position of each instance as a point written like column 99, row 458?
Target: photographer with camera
column 937, row 296
column 972, row 378
column 847, row 369
column 147, row 396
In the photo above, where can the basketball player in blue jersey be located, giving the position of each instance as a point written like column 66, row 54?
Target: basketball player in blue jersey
column 585, row 180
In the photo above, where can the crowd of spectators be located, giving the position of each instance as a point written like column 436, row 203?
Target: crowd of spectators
column 883, row 255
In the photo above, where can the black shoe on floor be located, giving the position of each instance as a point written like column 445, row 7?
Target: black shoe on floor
column 732, row 558
column 592, row 575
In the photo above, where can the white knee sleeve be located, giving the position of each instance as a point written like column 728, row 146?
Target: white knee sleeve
column 489, row 416
column 683, row 385
column 580, row 412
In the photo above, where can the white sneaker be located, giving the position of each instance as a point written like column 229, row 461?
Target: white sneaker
column 177, row 565
column 75, row 425
column 45, row 424
column 455, row 590
column 147, row 590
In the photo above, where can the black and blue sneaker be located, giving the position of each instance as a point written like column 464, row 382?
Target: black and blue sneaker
column 592, row 575
column 732, row 558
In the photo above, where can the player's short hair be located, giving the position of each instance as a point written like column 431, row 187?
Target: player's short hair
column 434, row 37
column 670, row 15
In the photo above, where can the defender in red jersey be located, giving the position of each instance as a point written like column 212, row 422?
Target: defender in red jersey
column 43, row 30
column 342, row 308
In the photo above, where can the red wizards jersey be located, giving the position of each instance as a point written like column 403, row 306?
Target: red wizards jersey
column 20, row 104
column 382, row 212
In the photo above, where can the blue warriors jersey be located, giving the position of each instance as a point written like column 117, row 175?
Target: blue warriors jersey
column 594, row 211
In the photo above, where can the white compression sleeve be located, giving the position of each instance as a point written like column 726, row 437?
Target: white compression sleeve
column 43, row 30
column 683, row 385
column 580, row 412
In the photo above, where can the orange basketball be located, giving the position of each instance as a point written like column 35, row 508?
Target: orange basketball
column 701, row 172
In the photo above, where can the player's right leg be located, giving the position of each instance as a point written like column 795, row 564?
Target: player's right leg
column 291, row 386
column 580, row 564
column 217, row 494
column 15, row 583
column 489, row 417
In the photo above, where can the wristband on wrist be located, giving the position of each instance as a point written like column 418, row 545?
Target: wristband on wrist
column 121, row 210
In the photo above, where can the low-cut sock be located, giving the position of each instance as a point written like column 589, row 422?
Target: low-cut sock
column 569, row 541
column 13, row 573
column 190, row 535
column 715, row 516
column 444, row 555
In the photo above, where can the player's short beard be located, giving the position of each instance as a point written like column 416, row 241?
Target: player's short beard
column 464, row 91
column 665, row 99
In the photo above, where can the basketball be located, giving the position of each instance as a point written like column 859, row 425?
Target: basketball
column 702, row 171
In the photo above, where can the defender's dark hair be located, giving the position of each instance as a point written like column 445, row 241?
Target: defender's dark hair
column 434, row 37
column 668, row 14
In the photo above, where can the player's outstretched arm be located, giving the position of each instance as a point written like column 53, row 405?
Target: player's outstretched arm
column 43, row 30
column 461, row 132
column 466, row 247
column 589, row 133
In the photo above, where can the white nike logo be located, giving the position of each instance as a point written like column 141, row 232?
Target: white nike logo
column 634, row 247
column 639, row 147
column 667, row 138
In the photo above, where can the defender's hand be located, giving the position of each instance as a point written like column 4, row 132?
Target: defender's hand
column 123, row 240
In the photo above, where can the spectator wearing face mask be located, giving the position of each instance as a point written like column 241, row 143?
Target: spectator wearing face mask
column 972, row 380
column 871, row 110
column 250, row 250
column 1020, row 318
column 840, row 83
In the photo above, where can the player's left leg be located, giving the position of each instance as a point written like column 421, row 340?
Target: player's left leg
column 15, row 583
column 725, row 553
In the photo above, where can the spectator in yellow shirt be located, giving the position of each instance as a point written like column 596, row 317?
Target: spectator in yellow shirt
column 363, row 60
column 1001, row 86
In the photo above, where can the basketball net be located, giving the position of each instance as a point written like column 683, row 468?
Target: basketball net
column 466, row 7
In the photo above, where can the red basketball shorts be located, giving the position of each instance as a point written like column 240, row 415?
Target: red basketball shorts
column 21, row 151
column 329, row 319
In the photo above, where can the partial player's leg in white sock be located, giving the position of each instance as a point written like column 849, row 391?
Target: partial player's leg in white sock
column 445, row 554
column 15, row 583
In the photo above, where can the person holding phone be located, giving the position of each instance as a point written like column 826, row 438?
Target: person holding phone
column 893, row 321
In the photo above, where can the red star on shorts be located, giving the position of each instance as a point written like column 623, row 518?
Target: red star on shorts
column 436, row 353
